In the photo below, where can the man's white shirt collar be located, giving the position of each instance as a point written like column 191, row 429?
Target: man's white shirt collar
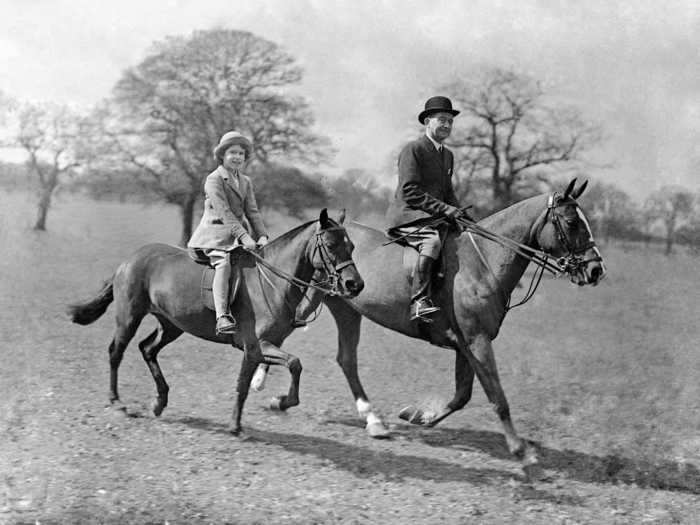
column 435, row 143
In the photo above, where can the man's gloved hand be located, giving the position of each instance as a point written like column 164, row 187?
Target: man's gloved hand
column 453, row 212
column 262, row 241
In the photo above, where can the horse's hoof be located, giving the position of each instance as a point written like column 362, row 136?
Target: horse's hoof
column 377, row 430
column 534, row 472
column 531, row 464
column 412, row 415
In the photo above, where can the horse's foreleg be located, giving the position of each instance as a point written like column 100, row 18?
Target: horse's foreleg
column 156, row 340
column 348, row 322
column 482, row 360
column 464, row 380
column 273, row 355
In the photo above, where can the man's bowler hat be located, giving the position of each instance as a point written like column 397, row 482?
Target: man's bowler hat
column 436, row 105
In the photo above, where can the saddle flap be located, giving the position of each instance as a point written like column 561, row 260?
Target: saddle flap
column 206, row 286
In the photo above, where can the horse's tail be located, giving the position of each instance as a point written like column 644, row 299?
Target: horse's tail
column 89, row 311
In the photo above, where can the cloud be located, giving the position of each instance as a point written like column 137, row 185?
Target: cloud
column 369, row 65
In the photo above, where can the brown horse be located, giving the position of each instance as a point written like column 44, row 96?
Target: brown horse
column 164, row 281
column 474, row 296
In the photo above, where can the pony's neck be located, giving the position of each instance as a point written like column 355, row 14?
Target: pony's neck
column 291, row 253
column 518, row 223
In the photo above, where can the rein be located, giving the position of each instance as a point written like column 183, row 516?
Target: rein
column 570, row 263
column 332, row 271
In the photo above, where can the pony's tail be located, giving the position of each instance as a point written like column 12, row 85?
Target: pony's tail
column 88, row 312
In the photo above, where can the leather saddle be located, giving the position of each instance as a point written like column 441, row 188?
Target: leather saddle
column 237, row 262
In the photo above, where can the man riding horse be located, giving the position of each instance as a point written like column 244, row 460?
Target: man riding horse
column 424, row 191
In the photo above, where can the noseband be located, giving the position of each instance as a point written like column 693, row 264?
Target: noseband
column 572, row 262
column 331, row 268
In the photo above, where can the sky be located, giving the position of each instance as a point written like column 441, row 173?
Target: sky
column 632, row 66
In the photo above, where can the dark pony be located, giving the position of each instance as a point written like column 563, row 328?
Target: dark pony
column 165, row 282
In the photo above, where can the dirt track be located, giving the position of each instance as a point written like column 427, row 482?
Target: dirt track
column 68, row 458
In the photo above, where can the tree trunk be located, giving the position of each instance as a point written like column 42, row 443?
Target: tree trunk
column 669, row 244
column 43, row 208
column 187, row 212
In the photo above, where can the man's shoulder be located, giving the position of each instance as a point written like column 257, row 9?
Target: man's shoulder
column 419, row 143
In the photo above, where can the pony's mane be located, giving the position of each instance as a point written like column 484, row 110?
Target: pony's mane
column 295, row 231
column 291, row 233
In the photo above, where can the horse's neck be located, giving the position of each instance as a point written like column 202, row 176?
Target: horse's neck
column 517, row 222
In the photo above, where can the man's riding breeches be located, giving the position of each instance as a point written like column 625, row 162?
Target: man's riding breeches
column 424, row 239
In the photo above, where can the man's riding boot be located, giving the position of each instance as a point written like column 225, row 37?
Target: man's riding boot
column 225, row 323
column 421, row 305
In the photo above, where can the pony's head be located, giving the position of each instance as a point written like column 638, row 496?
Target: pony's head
column 566, row 234
column 332, row 257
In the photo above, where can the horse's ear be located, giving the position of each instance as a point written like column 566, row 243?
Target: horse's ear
column 323, row 219
column 577, row 193
column 570, row 188
column 341, row 219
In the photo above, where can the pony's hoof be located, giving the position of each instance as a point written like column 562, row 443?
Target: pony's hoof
column 377, row 430
column 257, row 384
column 276, row 404
column 157, row 408
column 413, row 415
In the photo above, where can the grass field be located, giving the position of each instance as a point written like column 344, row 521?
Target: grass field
column 603, row 378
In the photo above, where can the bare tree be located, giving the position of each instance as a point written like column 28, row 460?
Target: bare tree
column 672, row 205
column 612, row 212
column 168, row 112
column 51, row 135
column 513, row 133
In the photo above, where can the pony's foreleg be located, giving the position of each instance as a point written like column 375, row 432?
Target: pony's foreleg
column 307, row 306
column 464, row 380
column 258, row 382
column 156, row 340
column 252, row 357
column 348, row 322
column 273, row 355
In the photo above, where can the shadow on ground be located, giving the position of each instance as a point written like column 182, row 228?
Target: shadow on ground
column 366, row 463
column 580, row 466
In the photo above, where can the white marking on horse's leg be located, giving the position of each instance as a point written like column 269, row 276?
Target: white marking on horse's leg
column 258, row 381
column 364, row 408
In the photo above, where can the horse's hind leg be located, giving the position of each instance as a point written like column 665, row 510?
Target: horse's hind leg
column 156, row 340
column 348, row 322
column 464, row 380
column 273, row 355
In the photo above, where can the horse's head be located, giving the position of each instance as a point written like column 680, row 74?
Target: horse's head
column 332, row 257
column 566, row 234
